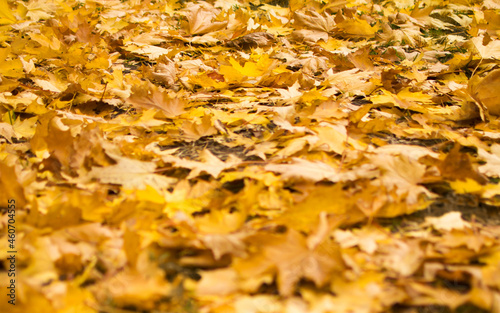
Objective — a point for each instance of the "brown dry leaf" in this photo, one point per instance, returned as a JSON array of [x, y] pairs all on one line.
[[492, 166], [165, 73], [201, 19], [7, 131], [484, 89], [421, 294], [209, 164], [368, 291], [252, 40], [491, 50], [402, 174], [134, 288], [401, 257], [448, 221], [150, 96], [197, 128], [303, 169], [292, 260], [131, 174], [314, 21], [309, 36], [225, 244], [458, 166], [218, 282]]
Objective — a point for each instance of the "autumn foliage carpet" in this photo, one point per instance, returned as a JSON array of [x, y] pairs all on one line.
[[250, 156]]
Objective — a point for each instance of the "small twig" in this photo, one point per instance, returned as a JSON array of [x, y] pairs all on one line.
[[477, 66], [10, 117], [104, 91]]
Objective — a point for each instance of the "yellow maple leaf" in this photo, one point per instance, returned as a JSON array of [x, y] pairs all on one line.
[[6, 16], [10, 66], [467, 186], [312, 96], [405, 99], [292, 258], [357, 27], [253, 69]]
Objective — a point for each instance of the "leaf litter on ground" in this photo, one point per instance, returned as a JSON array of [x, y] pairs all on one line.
[[251, 156]]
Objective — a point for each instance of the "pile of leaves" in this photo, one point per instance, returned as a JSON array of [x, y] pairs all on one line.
[[251, 156]]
